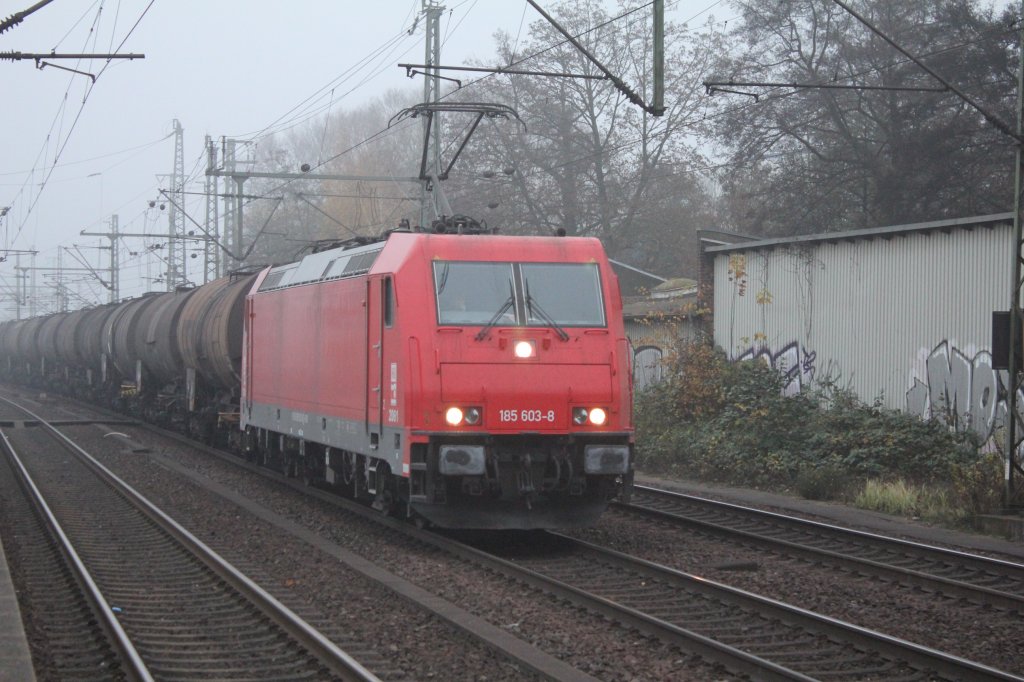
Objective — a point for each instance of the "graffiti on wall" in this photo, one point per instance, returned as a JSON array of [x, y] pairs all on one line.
[[793, 361], [959, 387]]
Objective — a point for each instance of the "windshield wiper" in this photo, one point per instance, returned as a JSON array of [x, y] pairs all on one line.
[[532, 305], [482, 334]]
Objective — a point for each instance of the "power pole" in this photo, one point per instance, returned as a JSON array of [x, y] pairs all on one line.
[[211, 252], [30, 292], [232, 203], [1013, 495], [176, 261], [429, 204], [62, 300], [19, 286], [115, 265], [658, 100]]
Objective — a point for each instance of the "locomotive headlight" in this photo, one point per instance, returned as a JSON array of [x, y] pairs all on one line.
[[457, 415], [524, 349], [596, 416]]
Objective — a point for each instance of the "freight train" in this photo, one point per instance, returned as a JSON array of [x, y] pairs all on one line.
[[468, 380]]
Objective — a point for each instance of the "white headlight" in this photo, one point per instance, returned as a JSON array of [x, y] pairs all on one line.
[[453, 416], [524, 349], [598, 416]]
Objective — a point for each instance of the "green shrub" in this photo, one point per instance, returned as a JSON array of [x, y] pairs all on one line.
[[826, 482], [716, 420]]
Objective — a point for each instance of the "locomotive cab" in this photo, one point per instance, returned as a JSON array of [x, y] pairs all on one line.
[[527, 419]]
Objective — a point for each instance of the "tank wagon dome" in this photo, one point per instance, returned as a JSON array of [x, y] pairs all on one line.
[[210, 330], [160, 349], [122, 339]]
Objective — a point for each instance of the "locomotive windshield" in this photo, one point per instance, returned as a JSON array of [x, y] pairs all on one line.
[[519, 294]]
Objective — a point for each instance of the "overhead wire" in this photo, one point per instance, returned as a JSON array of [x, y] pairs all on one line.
[[43, 152], [74, 123], [304, 109]]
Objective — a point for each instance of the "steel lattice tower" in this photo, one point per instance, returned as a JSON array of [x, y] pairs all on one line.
[[431, 94], [177, 273]]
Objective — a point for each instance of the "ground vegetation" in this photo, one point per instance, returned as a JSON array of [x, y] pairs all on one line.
[[731, 422]]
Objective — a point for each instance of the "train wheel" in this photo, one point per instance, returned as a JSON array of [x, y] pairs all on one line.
[[308, 474], [384, 500], [348, 468]]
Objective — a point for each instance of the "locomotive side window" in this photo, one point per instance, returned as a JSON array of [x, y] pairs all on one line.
[[473, 293], [567, 293], [519, 294], [389, 302]]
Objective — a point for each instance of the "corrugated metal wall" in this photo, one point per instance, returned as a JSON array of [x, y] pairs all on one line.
[[651, 339], [905, 317]]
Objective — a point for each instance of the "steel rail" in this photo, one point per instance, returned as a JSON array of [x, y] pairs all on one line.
[[917, 578], [339, 662], [916, 654], [135, 667]]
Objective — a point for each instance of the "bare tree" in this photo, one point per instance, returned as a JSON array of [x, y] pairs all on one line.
[[294, 215], [588, 161], [814, 160]]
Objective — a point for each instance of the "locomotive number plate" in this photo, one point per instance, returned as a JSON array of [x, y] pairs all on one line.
[[526, 416]]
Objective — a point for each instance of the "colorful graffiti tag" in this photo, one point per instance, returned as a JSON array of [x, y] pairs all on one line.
[[961, 388]]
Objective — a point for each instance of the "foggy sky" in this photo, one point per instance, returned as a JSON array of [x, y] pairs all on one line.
[[229, 68]]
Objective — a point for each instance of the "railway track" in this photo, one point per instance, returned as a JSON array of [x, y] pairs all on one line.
[[978, 579], [518, 652], [747, 634], [166, 607]]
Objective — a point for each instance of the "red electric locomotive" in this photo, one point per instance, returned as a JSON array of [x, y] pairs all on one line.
[[475, 381]]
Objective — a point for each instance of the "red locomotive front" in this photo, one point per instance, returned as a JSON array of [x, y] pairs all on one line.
[[477, 381]]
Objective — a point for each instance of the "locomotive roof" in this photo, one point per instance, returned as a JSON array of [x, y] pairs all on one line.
[[322, 266], [400, 246]]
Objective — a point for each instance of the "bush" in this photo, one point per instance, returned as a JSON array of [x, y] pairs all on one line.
[[728, 422], [827, 482]]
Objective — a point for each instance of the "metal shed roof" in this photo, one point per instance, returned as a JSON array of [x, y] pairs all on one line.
[[987, 221]]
